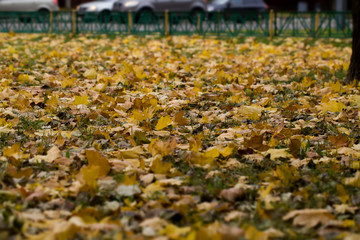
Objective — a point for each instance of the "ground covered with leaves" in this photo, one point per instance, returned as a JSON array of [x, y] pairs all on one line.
[[177, 138]]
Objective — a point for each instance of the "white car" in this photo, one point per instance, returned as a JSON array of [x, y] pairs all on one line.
[[100, 7], [28, 5]]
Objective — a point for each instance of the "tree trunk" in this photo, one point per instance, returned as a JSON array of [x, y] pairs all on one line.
[[354, 68]]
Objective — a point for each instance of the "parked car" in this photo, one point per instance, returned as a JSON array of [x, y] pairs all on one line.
[[239, 11], [146, 6], [28, 5], [237, 6], [101, 8]]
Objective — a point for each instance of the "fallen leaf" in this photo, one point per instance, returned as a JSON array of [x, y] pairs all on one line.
[[232, 194], [309, 218], [163, 123]]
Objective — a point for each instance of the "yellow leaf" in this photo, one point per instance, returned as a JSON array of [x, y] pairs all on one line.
[[353, 181], [95, 159], [23, 78], [342, 194], [132, 153], [212, 153], [286, 174], [15, 154], [81, 100], [52, 103], [21, 103], [90, 174], [336, 87], [162, 147], [90, 73], [154, 187], [163, 123], [10, 151], [332, 106], [69, 82], [252, 233], [274, 233], [60, 141], [226, 151], [307, 82], [251, 112], [265, 191], [278, 153], [354, 101], [130, 180], [195, 142], [160, 167], [174, 232]]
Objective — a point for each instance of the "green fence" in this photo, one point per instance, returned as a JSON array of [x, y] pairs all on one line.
[[266, 24]]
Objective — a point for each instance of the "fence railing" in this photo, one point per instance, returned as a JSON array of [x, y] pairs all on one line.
[[264, 24]]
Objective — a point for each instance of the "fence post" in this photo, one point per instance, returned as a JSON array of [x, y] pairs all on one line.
[[50, 22], [198, 22], [317, 23], [271, 24], [218, 22], [74, 22], [166, 22], [130, 22]]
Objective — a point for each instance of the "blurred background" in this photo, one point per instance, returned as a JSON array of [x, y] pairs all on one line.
[[285, 5]]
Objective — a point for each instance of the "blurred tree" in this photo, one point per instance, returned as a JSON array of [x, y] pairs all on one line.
[[354, 68]]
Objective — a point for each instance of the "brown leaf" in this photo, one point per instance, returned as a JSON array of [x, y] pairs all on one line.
[[52, 154], [232, 194], [256, 142], [339, 141], [309, 218], [295, 146]]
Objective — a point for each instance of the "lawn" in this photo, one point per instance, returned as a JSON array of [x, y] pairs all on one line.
[[127, 137]]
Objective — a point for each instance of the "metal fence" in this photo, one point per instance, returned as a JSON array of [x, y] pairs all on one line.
[[266, 24]]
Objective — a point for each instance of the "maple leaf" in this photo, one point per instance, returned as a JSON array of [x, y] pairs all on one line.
[[79, 100], [163, 123], [339, 141], [354, 100], [256, 142], [162, 147], [96, 159], [331, 106], [278, 153], [15, 154], [52, 154], [309, 218], [180, 120], [90, 174], [90, 73], [286, 174], [307, 82], [196, 142], [252, 233], [132, 153], [23, 172], [60, 141], [174, 232], [251, 112], [227, 151], [160, 167]]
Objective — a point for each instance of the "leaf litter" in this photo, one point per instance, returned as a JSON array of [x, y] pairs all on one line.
[[177, 138]]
